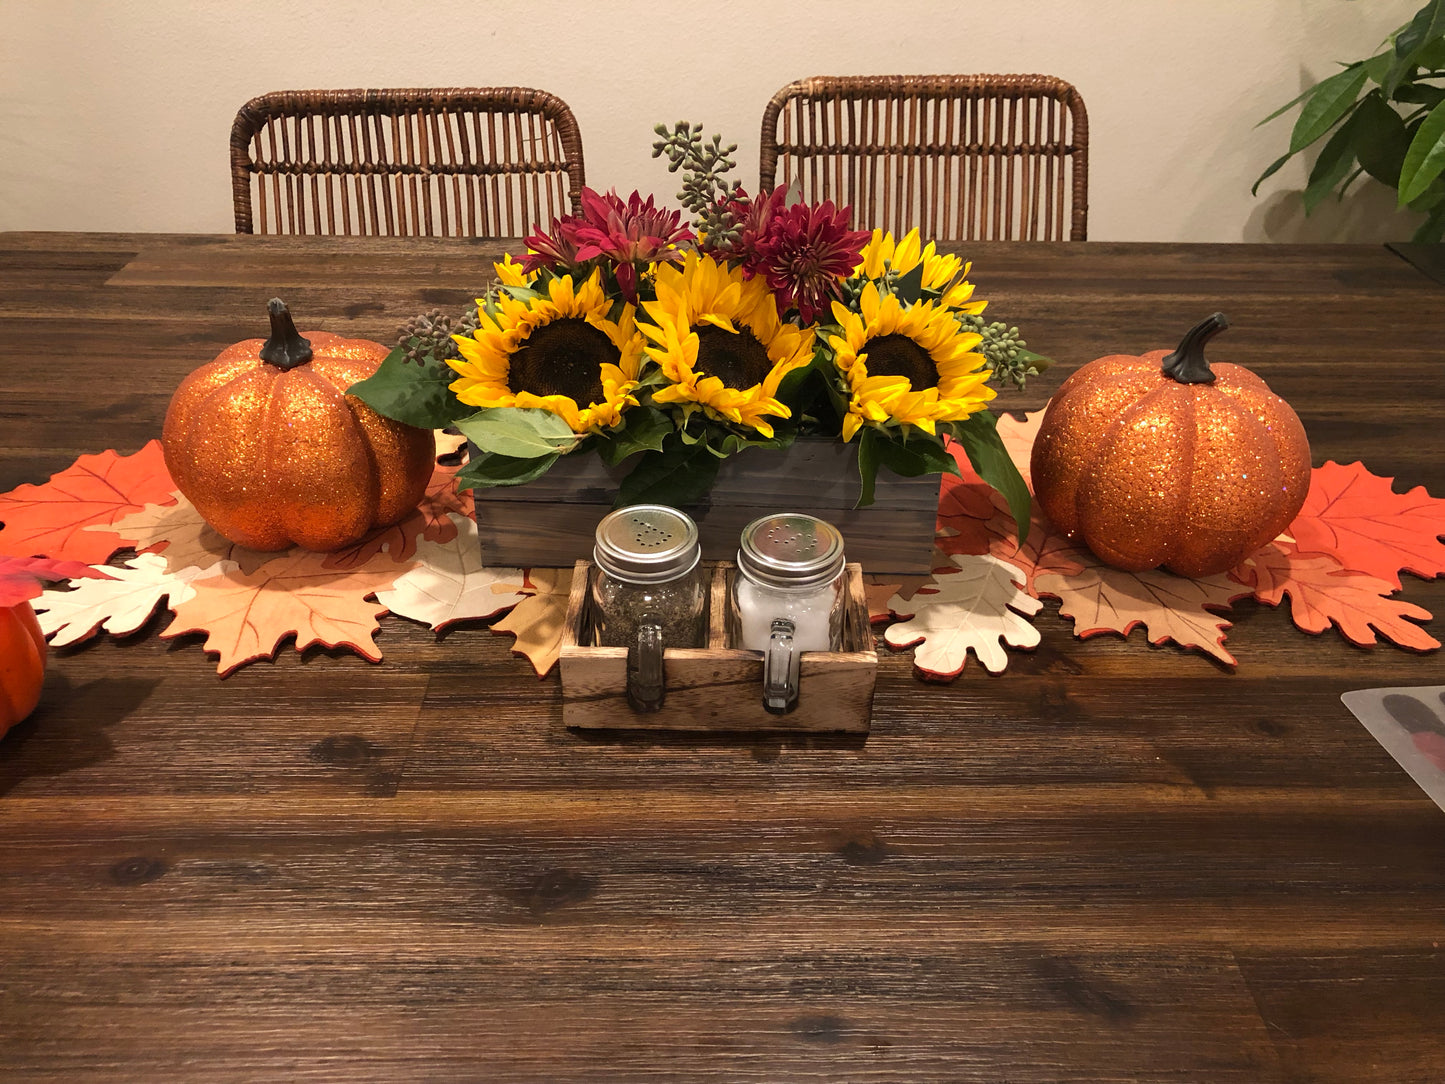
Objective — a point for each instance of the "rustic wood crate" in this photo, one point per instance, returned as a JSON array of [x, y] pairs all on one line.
[[550, 522], [719, 687]]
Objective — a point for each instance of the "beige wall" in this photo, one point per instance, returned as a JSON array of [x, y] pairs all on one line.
[[114, 114]]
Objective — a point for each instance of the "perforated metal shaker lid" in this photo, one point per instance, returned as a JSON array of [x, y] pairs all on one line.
[[791, 550], [646, 543]]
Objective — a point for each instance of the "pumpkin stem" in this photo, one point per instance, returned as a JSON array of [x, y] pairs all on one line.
[[1188, 365], [285, 349]]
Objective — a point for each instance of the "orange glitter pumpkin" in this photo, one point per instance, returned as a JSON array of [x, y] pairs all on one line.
[[1161, 460], [268, 446], [22, 663]]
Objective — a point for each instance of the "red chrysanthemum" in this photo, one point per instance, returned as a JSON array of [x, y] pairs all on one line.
[[628, 233], [751, 217], [557, 250], [804, 251], [636, 230]]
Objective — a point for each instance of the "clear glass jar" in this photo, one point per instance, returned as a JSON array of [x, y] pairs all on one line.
[[788, 597], [648, 593]]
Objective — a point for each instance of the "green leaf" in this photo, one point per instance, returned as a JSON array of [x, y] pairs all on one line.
[[903, 455], [1429, 199], [518, 432], [643, 430], [978, 433], [1425, 159], [1420, 94], [1433, 228], [652, 377], [413, 394], [1271, 171], [486, 470], [520, 293], [1331, 101], [1416, 43], [732, 443], [1332, 165], [1428, 23], [1378, 66], [680, 474], [1038, 361], [909, 287], [1380, 138], [1432, 56], [824, 374], [1301, 96]]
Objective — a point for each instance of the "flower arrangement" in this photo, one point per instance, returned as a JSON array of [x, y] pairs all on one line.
[[626, 332]]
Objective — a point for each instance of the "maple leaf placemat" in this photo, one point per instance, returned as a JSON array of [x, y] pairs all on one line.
[[246, 603], [1338, 566]]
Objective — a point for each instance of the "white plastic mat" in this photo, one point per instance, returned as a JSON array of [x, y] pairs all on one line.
[[1410, 724]]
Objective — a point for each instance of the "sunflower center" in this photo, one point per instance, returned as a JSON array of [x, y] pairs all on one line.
[[898, 355], [739, 361], [564, 357]]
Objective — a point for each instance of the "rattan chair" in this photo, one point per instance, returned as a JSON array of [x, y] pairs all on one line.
[[484, 162], [962, 157]]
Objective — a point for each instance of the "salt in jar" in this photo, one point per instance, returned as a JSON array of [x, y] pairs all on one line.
[[788, 597]]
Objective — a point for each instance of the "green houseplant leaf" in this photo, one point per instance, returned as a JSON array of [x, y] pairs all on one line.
[[1380, 138], [1330, 101], [1425, 160], [1395, 130], [1325, 103], [1333, 164], [1428, 23]]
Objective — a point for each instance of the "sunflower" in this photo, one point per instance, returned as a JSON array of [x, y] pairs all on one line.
[[558, 352], [909, 365], [511, 273], [718, 340], [942, 272]]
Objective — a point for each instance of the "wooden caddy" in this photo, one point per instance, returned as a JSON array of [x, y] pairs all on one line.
[[718, 688]]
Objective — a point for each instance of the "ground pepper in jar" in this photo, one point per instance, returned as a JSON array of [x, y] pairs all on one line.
[[647, 593]]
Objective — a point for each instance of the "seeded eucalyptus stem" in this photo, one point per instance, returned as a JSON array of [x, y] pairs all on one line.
[[705, 192]]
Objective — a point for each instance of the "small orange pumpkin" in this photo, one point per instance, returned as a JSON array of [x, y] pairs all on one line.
[[22, 663], [268, 446], [1163, 460]]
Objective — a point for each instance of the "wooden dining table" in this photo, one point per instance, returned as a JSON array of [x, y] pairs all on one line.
[[1110, 862]]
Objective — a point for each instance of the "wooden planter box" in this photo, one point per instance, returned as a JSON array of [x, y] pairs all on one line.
[[549, 523], [719, 687]]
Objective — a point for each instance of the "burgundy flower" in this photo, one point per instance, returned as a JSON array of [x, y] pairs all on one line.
[[751, 217], [805, 252], [628, 234], [756, 216], [558, 249]]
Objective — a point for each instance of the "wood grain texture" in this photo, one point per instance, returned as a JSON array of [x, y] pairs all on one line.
[[1111, 862], [551, 521]]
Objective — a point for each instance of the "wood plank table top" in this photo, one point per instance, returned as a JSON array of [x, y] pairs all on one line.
[[1111, 862]]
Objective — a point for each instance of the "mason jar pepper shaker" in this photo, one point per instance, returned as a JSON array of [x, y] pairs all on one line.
[[648, 593], [788, 597]]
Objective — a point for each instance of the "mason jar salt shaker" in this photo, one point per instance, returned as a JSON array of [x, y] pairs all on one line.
[[648, 593], [788, 597]]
